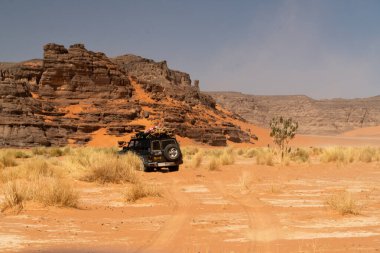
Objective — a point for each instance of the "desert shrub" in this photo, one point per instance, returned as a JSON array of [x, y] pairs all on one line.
[[250, 153], [227, 157], [32, 169], [265, 157], [240, 152], [39, 151], [189, 151], [44, 190], [53, 192], [36, 180], [82, 156], [216, 153], [55, 152], [111, 168], [111, 150], [21, 154], [51, 152], [139, 190], [338, 154], [196, 160], [367, 155], [282, 131], [7, 159], [14, 196], [316, 151], [14, 153], [344, 203], [38, 168], [213, 164], [300, 155]]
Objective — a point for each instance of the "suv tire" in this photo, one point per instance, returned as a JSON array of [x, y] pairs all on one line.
[[171, 152]]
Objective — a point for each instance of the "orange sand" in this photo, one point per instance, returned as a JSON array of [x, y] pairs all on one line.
[[140, 93], [364, 132], [100, 139]]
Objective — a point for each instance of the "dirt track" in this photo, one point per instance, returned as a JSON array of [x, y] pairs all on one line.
[[278, 209]]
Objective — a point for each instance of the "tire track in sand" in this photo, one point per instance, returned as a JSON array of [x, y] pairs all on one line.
[[263, 227], [167, 237]]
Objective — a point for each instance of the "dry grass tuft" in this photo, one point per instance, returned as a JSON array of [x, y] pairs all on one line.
[[20, 154], [38, 168], [38, 181], [240, 151], [300, 155], [265, 157], [216, 153], [367, 154], [227, 157], [51, 152], [8, 159], [344, 203], [196, 160], [139, 191], [189, 151], [53, 192], [315, 151], [213, 164], [112, 168], [250, 153], [14, 196], [30, 170], [338, 154]]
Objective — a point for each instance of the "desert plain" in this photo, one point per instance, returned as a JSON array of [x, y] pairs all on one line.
[[323, 197]]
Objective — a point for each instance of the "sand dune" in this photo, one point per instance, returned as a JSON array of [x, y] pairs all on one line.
[[364, 132]]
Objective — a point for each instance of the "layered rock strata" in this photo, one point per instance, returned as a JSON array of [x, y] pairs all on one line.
[[72, 93], [319, 117]]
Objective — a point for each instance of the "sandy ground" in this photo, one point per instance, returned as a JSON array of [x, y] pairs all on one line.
[[240, 208], [373, 132]]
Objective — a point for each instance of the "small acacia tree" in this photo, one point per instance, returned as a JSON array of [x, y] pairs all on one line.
[[282, 131]]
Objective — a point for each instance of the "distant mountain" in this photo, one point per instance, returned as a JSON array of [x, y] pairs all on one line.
[[320, 117]]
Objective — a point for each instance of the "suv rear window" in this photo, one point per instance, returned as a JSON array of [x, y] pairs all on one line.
[[167, 142], [139, 144], [156, 145]]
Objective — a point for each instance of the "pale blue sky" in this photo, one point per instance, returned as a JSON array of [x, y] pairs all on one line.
[[324, 48]]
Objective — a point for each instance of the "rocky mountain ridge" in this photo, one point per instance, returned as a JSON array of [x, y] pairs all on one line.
[[316, 117], [72, 93]]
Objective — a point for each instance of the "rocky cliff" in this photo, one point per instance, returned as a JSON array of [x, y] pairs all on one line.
[[320, 117], [72, 93]]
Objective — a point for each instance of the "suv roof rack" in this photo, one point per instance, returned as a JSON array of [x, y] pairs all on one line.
[[155, 132]]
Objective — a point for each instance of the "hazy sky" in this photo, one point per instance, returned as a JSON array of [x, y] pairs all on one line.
[[321, 48]]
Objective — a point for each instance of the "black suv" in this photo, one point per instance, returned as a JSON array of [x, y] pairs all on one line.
[[155, 151]]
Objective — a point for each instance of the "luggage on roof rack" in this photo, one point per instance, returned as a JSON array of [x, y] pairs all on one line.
[[155, 132]]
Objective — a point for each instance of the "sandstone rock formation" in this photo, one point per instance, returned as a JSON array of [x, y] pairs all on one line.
[[71, 93], [156, 77], [320, 117]]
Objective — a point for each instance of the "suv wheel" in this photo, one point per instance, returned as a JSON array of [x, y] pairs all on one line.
[[174, 168], [171, 152]]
